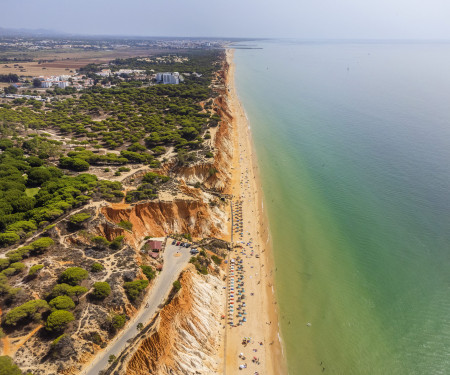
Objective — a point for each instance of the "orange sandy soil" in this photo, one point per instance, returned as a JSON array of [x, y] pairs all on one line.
[[262, 316]]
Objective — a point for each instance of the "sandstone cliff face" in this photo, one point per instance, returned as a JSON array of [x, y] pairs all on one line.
[[187, 337], [159, 218]]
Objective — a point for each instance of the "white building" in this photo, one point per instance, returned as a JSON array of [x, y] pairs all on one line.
[[104, 73], [63, 84], [46, 84], [168, 78], [124, 71]]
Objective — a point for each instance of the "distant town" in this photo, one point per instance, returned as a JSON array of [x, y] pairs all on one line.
[[35, 44], [42, 68]]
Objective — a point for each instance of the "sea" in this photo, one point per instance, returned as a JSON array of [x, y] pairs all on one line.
[[353, 147]]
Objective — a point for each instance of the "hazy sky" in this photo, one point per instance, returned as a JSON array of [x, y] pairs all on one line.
[[374, 19]]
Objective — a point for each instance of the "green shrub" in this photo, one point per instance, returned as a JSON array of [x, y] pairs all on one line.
[[55, 341], [14, 256], [97, 267], [38, 175], [8, 238], [155, 178], [134, 288], [79, 218], [100, 241], [202, 269], [12, 293], [148, 272], [4, 285], [9, 271], [4, 263], [118, 321], [101, 290], [62, 303], [42, 243], [19, 253], [48, 227], [216, 260], [58, 320], [67, 290], [22, 227], [17, 266], [73, 275], [75, 164], [177, 285], [26, 310], [8, 367], [116, 243], [34, 269], [125, 225]]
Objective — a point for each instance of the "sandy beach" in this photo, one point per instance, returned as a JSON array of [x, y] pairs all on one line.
[[252, 339]]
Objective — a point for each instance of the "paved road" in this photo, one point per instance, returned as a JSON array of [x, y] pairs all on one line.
[[175, 259]]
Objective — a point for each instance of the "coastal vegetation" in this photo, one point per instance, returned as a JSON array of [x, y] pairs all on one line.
[[8, 367], [65, 265]]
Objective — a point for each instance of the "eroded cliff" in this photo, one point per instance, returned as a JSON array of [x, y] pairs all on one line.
[[187, 335]]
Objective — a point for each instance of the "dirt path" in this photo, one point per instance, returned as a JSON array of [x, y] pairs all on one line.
[[10, 346]]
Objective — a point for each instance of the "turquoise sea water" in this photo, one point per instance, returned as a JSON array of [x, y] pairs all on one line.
[[353, 145]]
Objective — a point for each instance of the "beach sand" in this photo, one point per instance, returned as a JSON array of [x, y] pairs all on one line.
[[260, 302]]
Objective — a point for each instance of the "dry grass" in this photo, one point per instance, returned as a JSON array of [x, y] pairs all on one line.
[[33, 69]]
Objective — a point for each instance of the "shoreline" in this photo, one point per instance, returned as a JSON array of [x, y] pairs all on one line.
[[264, 308]]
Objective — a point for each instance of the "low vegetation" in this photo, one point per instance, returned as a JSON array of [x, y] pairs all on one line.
[[58, 320], [101, 290], [62, 303], [133, 289], [54, 161], [8, 367], [73, 275], [148, 271], [176, 285], [31, 309]]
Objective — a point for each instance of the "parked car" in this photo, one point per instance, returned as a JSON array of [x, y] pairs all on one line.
[[174, 242]]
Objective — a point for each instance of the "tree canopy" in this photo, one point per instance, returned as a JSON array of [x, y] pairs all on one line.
[[58, 320], [73, 275]]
